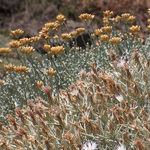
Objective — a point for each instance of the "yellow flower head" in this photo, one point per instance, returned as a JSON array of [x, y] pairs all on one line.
[[73, 34], [117, 19], [106, 21], [47, 48], [39, 84], [115, 40], [86, 17], [24, 41], [27, 49], [108, 13], [17, 32], [34, 39], [52, 25], [5, 50], [61, 18], [125, 16], [106, 29], [104, 38], [21, 69], [51, 72], [80, 30], [9, 67], [44, 33], [131, 19], [66, 36], [14, 44], [134, 29], [98, 32], [56, 50]]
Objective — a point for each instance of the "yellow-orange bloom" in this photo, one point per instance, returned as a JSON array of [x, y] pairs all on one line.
[[9, 67], [131, 19], [98, 32], [134, 29], [104, 38], [56, 50], [86, 17], [108, 13], [51, 72], [21, 69], [61, 18], [27, 49], [47, 48], [5, 50], [24, 41], [66, 36], [115, 40], [14, 44], [73, 34], [17, 32], [125, 16], [39, 84], [52, 25], [106, 29], [80, 30]]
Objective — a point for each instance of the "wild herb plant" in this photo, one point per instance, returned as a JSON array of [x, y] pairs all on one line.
[[62, 61], [107, 107]]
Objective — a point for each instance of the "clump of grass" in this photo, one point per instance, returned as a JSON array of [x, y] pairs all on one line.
[[63, 59], [106, 106]]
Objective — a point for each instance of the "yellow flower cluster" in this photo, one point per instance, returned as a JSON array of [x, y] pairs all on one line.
[[108, 14], [56, 50], [27, 49], [44, 33], [66, 36], [47, 48], [104, 38], [73, 34], [60, 18], [106, 17], [39, 84], [106, 29], [21, 69], [86, 17], [17, 69], [128, 17], [98, 32], [103, 30], [53, 50], [9, 67], [52, 25], [17, 32], [14, 44], [5, 50], [115, 40], [51, 72], [80, 31], [134, 29]]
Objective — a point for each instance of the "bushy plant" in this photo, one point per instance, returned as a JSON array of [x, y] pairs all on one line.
[[63, 61], [107, 107]]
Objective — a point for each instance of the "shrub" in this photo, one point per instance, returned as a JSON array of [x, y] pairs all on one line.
[[105, 106], [59, 67]]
